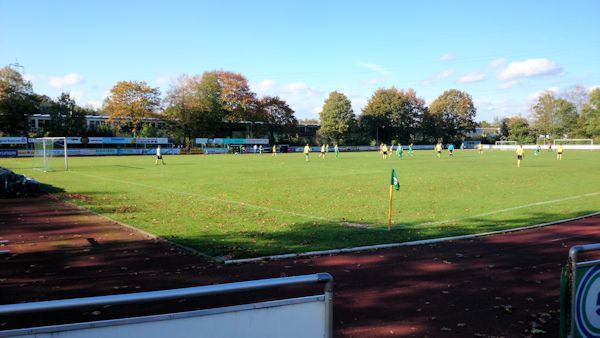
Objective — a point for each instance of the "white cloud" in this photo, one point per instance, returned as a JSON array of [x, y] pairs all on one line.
[[447, 57], [529, 68], [496, 63], [534, 96], [60, 82], [472, 77], [437, 77], [509, 84], [375, 67], [94, 103], [264, 87], [299, 89], [305, 100], [76, 95]]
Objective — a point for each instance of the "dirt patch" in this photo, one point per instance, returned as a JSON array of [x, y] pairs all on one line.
[[498, 286]]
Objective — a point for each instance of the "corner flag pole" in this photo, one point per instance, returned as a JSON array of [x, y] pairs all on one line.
[[390, 210], [394, 184]]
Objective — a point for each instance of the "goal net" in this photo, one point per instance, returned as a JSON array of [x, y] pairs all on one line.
[[505, 145], [576, 143], [50, 154]]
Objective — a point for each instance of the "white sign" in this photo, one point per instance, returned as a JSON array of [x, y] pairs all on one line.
[[13, 140]]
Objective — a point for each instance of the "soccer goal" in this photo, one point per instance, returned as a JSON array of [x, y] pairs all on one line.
[[50, 154], [576, 143], [505, 145]]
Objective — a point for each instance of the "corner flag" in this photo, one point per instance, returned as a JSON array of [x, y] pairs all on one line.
[[394, 184], [394, 180]]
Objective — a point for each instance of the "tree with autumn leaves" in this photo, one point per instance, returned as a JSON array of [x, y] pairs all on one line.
[[205, 106], [129, 103]]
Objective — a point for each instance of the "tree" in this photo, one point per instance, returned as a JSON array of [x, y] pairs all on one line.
[[337, 117], [518, 130], [453, 114], [236, 97], [554, 116], [183, 105], [566, 118], [543, 113], [130, 102], [277, 115], [504, 129], [578, 96], [66, 118], [210, 103], [16, 102], [394, 114], [590, 115]]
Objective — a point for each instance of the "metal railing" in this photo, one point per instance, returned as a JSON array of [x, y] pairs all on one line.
[[152, 296]]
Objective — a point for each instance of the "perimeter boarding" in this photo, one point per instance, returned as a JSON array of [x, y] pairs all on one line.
[[580, 294], [309, 316]]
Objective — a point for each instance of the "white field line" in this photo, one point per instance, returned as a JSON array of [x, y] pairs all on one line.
[[395, 245], [209, 198], [510, 209]]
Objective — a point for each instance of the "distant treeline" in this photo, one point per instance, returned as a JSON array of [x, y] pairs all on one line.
[[216, 103]]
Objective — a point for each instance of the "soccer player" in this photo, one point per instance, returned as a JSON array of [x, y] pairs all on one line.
[[306, 151], [159, 156], [438, 149], [399, 151], [274, 151], [336, 150], [254, 147], [559, 152], [480, 148], [537, 150], [520, 153], [260, 149], [327, 148], [410, 150], [451, 150], [462, 146], [322, 154], [384, 149]]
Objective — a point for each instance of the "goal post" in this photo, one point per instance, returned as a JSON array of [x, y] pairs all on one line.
[[578, 143], [505, 145], [50, 154]]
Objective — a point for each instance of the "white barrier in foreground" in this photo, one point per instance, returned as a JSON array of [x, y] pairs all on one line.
[[309, 316]]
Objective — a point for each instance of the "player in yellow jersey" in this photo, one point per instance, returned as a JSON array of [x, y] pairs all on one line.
[[306, 151], [438, 150], [520, 154], [559, 152], [384, 150], [480, 148], [274, 151]]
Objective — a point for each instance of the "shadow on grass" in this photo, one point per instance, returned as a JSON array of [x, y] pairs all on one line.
[[312, 236]]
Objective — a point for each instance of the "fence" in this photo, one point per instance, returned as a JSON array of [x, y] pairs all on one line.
[[309, 316]]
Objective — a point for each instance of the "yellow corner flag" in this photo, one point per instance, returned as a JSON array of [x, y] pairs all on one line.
[[394, 184]]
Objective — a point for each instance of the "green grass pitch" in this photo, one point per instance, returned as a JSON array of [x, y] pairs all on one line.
[[238, 206]]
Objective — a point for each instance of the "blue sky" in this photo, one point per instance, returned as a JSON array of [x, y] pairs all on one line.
[[503, 53]]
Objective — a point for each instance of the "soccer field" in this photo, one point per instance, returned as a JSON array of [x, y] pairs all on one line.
[[237, 206]]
